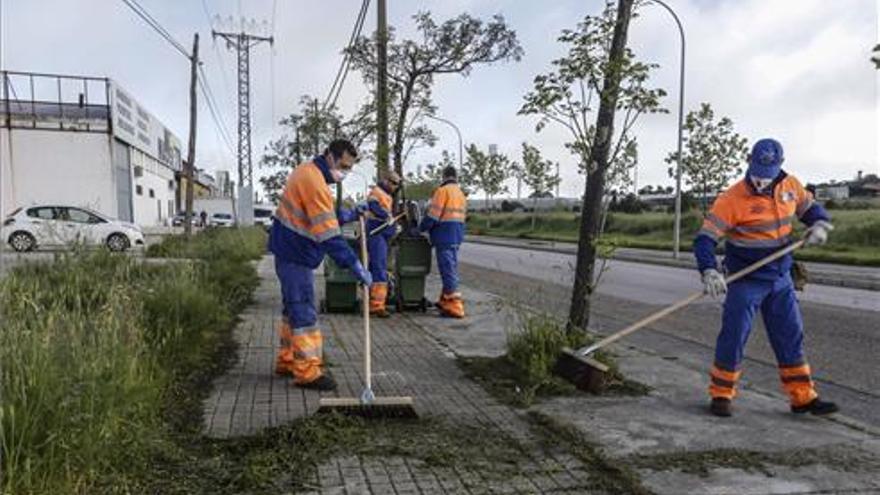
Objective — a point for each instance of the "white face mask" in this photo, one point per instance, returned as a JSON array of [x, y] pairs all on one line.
[[761, 184], [339, 175]]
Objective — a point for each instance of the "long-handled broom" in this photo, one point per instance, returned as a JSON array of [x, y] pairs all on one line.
[[368, 405], [589, 374]]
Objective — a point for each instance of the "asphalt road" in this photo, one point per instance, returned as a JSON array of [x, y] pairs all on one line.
[[842, 325]]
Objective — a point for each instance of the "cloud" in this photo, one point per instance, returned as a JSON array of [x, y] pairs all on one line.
[[798, 70]]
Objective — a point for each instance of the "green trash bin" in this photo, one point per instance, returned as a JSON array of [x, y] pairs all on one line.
[[413, 264], [340, 286]]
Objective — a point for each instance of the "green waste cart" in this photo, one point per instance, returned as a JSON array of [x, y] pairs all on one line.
[[340, 286], [412, 266]]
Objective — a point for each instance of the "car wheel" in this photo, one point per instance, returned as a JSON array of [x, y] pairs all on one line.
[[22, 242], [117, 243]]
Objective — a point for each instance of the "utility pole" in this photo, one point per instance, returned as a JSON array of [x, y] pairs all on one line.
[[191, 152], [382, 90], [242, 43]]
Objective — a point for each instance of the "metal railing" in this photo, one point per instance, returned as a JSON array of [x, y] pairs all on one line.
[[34, 100]]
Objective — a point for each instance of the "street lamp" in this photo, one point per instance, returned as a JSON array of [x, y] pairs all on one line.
[[677, 228], [460, 143]]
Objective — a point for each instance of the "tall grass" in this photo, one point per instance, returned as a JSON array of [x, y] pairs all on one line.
[[91, 346]]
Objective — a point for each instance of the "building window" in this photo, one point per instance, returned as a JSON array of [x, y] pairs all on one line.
[[139, 190], [152, 193]]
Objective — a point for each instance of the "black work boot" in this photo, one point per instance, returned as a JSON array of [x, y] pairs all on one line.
[[323, 383], [720, 407], [817, 406]]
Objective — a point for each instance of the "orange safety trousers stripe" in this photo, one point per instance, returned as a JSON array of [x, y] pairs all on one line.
[[300, 353], [378, 294], [798, 384]]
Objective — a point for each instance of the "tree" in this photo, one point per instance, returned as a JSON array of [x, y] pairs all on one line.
[[539, 175], [590, 57], [453, 47], [487, 172], [566, 95], [306, 134], [713, 153]]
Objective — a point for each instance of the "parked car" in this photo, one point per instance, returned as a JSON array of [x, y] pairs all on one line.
[[263, 217], [38, 226], [221, 220], [178, 219]]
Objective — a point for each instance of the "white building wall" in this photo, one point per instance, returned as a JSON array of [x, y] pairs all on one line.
[[43, 166], [153, 189]]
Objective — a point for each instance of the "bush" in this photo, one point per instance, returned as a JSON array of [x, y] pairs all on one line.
[[533, 352]]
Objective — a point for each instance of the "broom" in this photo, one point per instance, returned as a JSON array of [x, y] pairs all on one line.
[[368, 405], [588, 374]]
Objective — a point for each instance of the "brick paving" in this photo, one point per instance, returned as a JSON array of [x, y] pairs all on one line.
[[409, 358]]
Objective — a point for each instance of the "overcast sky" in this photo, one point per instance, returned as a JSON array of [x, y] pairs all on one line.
[[797, 70]]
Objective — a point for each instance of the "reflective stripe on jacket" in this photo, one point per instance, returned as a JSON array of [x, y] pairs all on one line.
[[755, 225], [379, 210], [305, 226], [445, 218]]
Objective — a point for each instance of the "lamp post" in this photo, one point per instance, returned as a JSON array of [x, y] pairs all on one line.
[[677, 228], [460, 142]]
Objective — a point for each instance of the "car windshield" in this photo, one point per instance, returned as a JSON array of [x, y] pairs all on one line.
[[224, 216], [262, 213]]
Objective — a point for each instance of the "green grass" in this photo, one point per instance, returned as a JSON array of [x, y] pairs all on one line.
[[855, 239], [102, 356]]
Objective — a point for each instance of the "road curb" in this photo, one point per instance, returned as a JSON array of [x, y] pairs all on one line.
[[816, 276]]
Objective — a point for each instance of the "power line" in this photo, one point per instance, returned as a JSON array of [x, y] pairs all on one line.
[[153, 23], [342, 73], [212, 108]]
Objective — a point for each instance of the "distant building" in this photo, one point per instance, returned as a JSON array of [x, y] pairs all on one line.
[[84, 141], [824, 192]]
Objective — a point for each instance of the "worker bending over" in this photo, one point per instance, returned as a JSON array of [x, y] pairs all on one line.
[[306, 228], [445, 222], [379, 213], [756, 216]]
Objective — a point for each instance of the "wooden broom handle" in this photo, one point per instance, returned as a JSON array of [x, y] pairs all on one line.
[[689, 299], [368, 380]]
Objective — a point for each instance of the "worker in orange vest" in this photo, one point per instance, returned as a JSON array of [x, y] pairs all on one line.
[[379, 213], [756, 216], [445, 221], [305, 228]]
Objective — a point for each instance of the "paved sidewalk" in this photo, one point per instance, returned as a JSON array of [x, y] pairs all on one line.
[[665, 436], [406, 361]]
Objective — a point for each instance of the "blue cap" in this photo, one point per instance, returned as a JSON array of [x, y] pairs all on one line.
[[765, 161]]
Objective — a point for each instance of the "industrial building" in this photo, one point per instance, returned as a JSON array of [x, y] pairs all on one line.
[[85, 141]]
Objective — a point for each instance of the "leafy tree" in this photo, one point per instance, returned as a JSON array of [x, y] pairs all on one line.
[[452, 47], [713, 152], [487, 172], [306, 134], [538, 174], [566, 95], [598, 65]]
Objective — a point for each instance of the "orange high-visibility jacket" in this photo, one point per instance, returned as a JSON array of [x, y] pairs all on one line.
[[305, 226], [445, 218], [755, 225]]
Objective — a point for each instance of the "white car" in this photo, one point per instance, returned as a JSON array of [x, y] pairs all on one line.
[[39, 226], [221, 220], [263, 217]]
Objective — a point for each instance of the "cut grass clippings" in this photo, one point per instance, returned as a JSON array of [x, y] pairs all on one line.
[[843, 457]]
